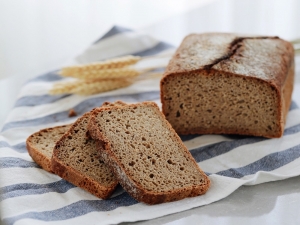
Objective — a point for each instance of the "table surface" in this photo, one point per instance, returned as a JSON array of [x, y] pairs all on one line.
[[36, 37]]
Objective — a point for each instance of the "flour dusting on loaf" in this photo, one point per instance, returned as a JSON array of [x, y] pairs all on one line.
[[225, 83]]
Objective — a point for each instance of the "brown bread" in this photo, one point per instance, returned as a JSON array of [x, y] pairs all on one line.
[[145, 153], [222, 83], [76, 159], [40, 145]]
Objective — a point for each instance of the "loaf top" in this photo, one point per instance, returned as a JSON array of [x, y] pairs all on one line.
[[266, 58]]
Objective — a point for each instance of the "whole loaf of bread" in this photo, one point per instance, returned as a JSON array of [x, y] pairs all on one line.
[[228, 84]]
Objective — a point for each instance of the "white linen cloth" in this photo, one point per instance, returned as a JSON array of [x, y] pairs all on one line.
[[30, 195]]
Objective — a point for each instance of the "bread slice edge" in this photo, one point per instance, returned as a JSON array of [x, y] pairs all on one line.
[[70, 174], [135, 190], [36, 155]]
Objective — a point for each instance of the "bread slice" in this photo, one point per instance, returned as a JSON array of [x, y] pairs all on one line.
[[145, 154], [225, 83], [40, 145], [76, 159]]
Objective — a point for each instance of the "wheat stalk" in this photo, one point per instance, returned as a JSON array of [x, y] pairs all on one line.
[[113, 73], [110, 66], [64, 87], [104, 65], [84, 87], [103, 76]]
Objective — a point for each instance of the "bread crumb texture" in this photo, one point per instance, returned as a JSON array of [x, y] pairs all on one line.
[[45, 140], [219, 101], [78, 151], [148, 150], [40, 145]]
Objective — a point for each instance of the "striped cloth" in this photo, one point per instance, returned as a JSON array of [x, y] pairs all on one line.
[[30, 195]]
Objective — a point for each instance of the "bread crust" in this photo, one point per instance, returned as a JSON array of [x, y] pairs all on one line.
[[79, 179], [226, 59], [41, 159], [287, 90], [134, 189]]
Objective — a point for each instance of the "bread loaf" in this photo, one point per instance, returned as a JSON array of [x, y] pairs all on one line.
[[40, 145], [145, 154], [224, 83]]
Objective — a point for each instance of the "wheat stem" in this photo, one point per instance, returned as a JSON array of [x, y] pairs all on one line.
[[83, 87], [107, 64], [125, 72]]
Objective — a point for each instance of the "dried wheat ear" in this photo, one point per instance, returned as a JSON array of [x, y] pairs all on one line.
[[86, 87], [102, 76]]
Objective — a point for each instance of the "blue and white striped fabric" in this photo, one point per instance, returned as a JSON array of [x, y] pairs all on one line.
[[30, 195]]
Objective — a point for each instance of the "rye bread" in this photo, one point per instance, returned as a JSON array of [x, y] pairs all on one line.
[[220, 83], [145, 153], [40, 145], [76, 159]]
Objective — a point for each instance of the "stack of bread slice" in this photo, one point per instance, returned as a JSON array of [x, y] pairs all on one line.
[[130, 144]]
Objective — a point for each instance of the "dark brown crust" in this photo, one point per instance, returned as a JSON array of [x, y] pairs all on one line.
[[35, 154], [135, 190], [73, 176], [231, 53], [287, 91], [233, 48], [283, 83]]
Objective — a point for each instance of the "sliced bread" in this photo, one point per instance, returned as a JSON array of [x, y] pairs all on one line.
[[40, 145], [76, 159], [145, 153]]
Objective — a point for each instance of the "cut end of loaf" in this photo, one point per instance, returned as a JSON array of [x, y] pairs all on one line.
[[215, 102], [147, 156]]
